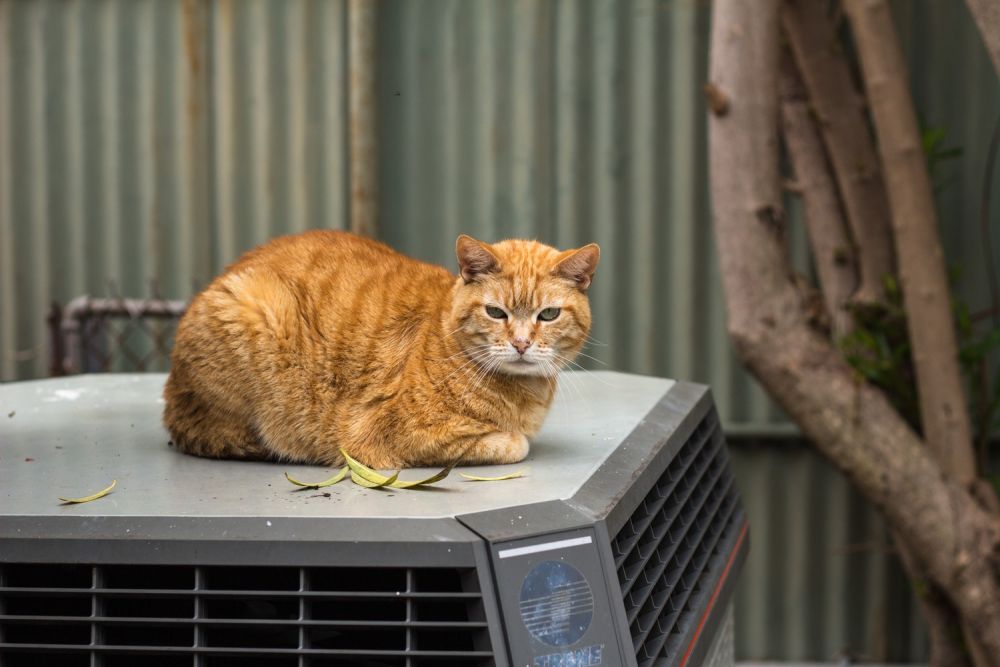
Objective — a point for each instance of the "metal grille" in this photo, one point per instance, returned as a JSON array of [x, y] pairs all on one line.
[[115, 334], [214, 616], [668, 549]]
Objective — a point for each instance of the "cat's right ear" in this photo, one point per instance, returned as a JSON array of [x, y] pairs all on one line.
[[474, 258]]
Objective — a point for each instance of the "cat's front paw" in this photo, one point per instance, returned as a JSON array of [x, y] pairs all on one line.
[[500, 447]]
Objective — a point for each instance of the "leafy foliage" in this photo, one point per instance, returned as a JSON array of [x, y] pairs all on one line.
[[937, 154], [879, 350], [879, 347], [976, 348]]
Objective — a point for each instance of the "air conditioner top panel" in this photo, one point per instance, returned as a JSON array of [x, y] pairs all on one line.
[[71, 436]]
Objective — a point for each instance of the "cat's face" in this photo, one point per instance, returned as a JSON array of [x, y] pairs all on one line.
[[522, 308]]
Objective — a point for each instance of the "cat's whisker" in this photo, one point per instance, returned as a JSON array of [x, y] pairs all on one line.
[[553, 371], [471, 384], [467, 351], [473, 361], [572, 382], [488, 369], [586, 370], [567, 360], [600, 361], [466, 365]]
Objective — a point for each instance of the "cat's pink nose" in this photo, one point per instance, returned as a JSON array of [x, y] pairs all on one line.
[[521, 345]]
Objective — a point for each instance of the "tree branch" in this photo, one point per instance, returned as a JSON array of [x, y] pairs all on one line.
[[838, 110], [943, 410], [849, 421], [944, 625], [824, 218], [987, 16]]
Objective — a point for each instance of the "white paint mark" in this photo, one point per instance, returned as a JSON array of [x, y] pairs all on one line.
[[63, 395], [545, 546]]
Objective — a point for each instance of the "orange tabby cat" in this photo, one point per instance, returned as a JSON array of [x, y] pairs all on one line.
[[325, 340]]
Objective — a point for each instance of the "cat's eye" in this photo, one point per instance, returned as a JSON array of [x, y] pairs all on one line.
[[549, 314], [496, 313]]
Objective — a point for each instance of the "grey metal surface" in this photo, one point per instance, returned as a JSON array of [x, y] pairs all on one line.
[[72, 436], [620, 481]]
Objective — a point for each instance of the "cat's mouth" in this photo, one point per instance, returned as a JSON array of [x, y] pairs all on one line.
[[524, 366]]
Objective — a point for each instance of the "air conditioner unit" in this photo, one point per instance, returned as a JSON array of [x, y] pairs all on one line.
[[619, 546]]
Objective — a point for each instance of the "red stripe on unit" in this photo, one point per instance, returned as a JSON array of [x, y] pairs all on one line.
[[715, 595]]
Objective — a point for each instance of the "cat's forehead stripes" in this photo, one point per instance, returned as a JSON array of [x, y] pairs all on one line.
[[527, 268]]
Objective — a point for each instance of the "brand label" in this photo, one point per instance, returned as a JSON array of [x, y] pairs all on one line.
[[588, 656]]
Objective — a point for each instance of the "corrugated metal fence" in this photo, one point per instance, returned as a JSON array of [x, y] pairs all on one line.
[[146, 141]]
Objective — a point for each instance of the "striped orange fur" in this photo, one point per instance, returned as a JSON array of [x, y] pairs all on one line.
[[324, 340]]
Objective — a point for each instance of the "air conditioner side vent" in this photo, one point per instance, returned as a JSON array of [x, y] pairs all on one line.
[[668, 550]]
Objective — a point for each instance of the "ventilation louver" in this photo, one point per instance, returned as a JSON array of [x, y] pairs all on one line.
[[667, 550], [241, 615]]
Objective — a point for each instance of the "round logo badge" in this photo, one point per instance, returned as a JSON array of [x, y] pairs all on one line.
[[557, 604]]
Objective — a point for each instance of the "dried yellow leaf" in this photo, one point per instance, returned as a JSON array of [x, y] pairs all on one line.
[[364, 472], [318, 485], [95, 496], [369, 484], [477, 478], [436, 477]]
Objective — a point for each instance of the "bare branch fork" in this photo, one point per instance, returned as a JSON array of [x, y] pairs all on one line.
[[828, 240], [949, 537], [837, 106]]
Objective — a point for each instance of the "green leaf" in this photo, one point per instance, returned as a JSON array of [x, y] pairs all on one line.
[[318, 485], [931, 137], [366, 473], [95, 496], [963, 319], [948, 154], [371, 484], [436, 477], [975, 351], [891, 286], [477, 478]]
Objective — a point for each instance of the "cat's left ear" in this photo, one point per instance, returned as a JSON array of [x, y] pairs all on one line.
[[579, 265], [474, 258]]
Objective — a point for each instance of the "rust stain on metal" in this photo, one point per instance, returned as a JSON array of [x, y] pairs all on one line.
[[193, 31], [363, 137], [192, 35]]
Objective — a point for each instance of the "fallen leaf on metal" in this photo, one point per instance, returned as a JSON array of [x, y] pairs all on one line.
[[370, 484], [361, 471], [318, 485], [477, 478], [436, 477], [87, 499]]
